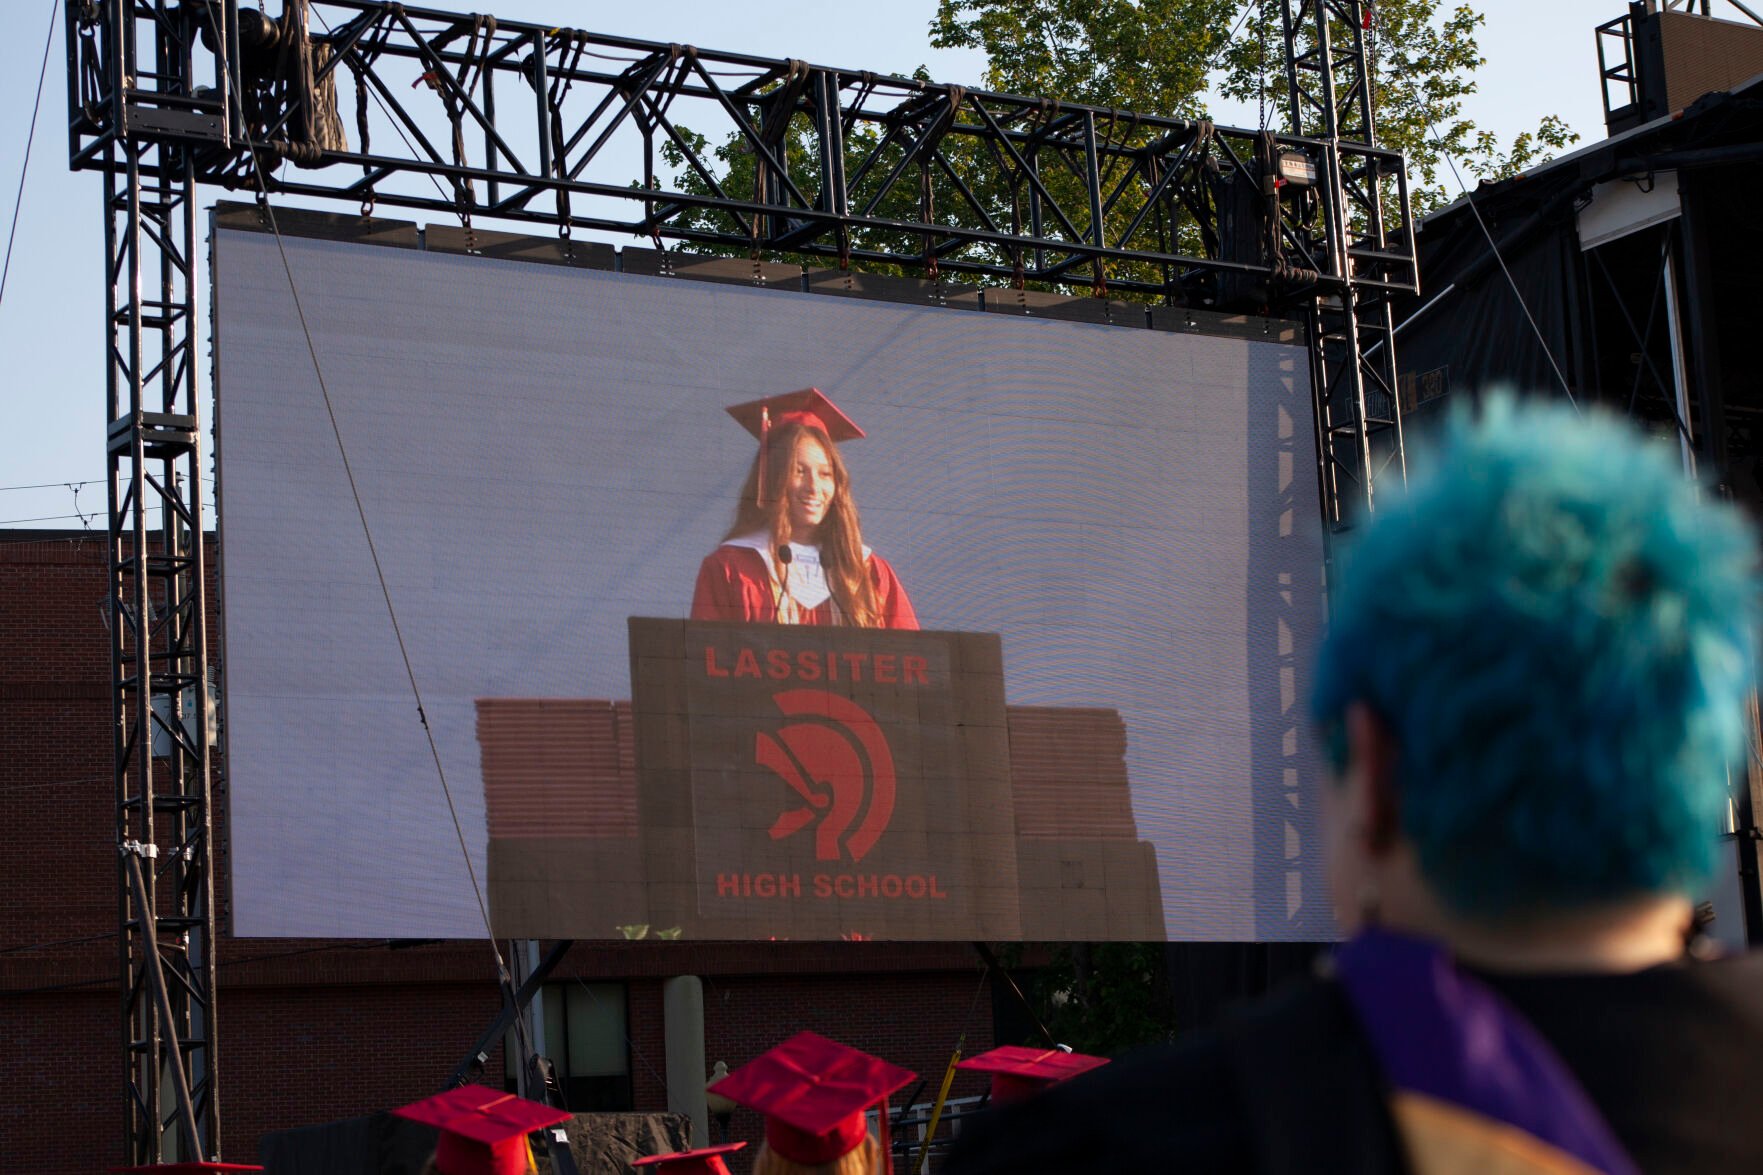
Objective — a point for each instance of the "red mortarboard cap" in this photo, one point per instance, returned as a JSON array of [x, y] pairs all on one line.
[[807, 406], [703, 1161], [1018, 1072], [483, 1130], [814, 1093]]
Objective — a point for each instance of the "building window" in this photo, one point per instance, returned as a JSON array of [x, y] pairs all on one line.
[[587, 1037]]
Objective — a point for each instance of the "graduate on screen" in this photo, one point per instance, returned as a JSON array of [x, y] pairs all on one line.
[[795, 553]]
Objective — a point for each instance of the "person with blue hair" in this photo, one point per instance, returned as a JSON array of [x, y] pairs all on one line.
[[1533, 693]]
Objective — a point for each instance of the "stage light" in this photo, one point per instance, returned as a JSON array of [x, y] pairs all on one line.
[[1297, 168]]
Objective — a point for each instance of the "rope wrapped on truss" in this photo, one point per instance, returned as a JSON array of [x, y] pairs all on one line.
[[305, 69], [291, 83]]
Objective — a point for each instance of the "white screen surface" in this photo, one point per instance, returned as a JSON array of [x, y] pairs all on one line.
[[542, 453]]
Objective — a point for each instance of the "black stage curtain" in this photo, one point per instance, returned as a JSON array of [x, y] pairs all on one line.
[[1468, 331]]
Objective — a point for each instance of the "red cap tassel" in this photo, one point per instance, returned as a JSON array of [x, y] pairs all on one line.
[[764, 443], [887, 1148]]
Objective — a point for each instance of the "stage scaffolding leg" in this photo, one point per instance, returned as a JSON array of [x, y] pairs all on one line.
[[157, 613], [1329, 76]]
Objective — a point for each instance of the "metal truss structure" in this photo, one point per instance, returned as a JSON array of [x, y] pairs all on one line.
[[1352, 326], [528, 124], [157, 595]]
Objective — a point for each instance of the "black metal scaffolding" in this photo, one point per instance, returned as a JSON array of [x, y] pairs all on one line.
[[463, 115], [1352, 326], [157, 596]]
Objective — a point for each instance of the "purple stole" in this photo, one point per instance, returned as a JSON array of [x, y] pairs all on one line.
[[1473, 1087]]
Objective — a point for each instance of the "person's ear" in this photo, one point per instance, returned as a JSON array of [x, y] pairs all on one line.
[[1371, 765]]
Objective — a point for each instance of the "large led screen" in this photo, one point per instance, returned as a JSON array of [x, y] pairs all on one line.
[[1000, 633]]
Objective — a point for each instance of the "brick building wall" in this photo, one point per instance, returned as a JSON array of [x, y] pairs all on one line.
[[309, 1031]]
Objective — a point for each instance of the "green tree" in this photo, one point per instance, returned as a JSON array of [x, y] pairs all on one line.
[[1528, 149], [1102, 998], [1145, 57], [1151, 57], [733, 167], [1423, 65], [1154, 57]]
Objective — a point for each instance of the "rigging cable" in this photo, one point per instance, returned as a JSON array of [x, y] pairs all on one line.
[[1493, 246], [361, 513], [30, 137], [54, 485], [384, 109], [86, 518]]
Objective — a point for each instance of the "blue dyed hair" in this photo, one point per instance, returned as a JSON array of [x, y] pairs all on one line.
[[1556, 627]]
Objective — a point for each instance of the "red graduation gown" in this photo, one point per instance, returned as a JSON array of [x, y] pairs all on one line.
[[735, 584]]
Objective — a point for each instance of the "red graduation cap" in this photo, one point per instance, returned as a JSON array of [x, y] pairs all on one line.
[[1019, 1072], [483, 1130], [814, 1093], [808, 406], [703, 1161]]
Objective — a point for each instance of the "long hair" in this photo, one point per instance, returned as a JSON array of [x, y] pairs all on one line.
[[865, 1160], [766, 509]]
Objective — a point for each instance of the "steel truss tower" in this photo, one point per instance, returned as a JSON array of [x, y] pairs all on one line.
[[157, 596], [1329, 89], [511, 122]]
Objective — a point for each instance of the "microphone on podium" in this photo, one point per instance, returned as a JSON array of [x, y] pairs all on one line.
[[785, 557]]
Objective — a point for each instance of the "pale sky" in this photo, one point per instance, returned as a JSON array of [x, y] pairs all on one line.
[[1541, 59]]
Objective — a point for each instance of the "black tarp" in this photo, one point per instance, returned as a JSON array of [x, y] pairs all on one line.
[[1467, 330], [376, 1144]]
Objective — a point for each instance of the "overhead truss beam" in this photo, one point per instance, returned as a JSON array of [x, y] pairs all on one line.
[[476, 117]]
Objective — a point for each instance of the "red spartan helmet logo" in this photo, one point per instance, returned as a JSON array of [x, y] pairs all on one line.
[[838, 762]]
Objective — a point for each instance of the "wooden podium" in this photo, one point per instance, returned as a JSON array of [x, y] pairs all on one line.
[[804, 782], [789, 782]]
